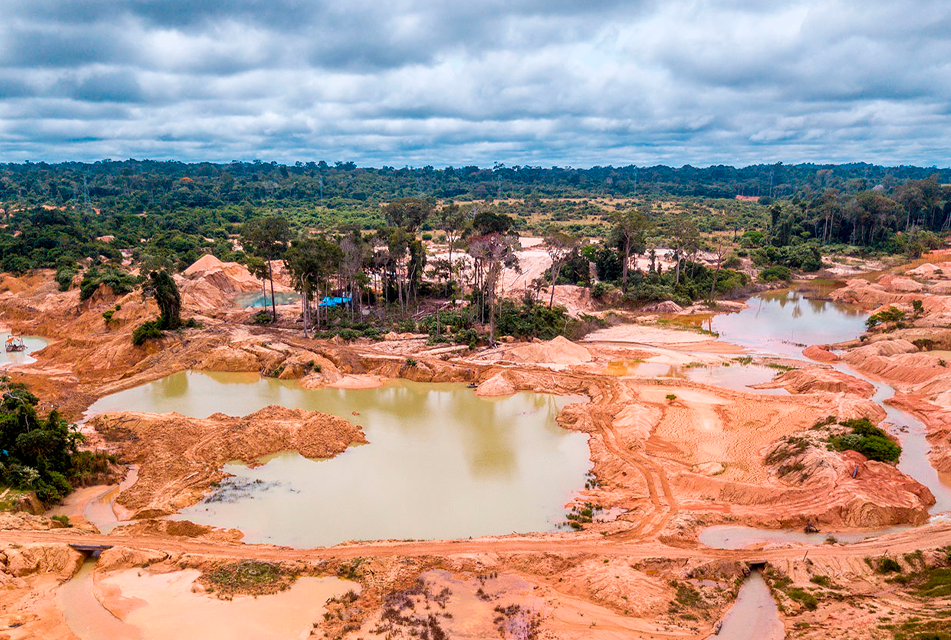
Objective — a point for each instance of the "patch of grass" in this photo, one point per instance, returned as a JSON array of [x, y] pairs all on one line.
[[252, 577], [803, 597], [884, 565], [149, 330], [351, 570], [823, 581], [789, 447], [63, 520], [937, 583], [685, 597]]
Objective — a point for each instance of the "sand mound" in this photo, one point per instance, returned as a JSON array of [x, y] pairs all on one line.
[[495, 386], [185, 455], [864, 292], [817, 353], [205, 263], [899, 284], [41, 558], [560, 350], [816, 379], [667, 306], [931, 271], [210, 283], [880, 348], [636, 420], [903, 369]]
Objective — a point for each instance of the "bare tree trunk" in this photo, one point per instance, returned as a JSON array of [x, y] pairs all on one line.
[[626, 258], [449, 290], [270, 273]]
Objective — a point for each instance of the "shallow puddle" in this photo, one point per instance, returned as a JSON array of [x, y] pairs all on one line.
[[164, 607], [736, 537], [754, 615], [785, 321], [13, 358], [732, 375], [258, 299], [735, 376], [441, 463]]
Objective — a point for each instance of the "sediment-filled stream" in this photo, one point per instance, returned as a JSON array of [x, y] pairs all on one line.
[[783, 322], [754, 615]]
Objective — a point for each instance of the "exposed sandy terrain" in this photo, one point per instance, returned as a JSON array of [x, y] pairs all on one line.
[[184, 456], [672, 455]]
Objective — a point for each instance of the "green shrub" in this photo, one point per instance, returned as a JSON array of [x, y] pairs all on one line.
[[119, 281], [63, 520], [891, 314], [775, 273], [146, 331], [803, 597], [732, 261], [867, 439], [64, 277], [888, 565], [262, 317]]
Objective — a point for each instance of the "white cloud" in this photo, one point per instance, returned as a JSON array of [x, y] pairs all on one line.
[[426, 82]]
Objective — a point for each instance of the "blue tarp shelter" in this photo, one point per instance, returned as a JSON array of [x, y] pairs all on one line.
[[333, 302]]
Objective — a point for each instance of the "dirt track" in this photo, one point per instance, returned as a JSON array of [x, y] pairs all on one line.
[[931, 536]]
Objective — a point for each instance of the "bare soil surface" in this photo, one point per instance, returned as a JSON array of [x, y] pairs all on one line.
[[672, 456]]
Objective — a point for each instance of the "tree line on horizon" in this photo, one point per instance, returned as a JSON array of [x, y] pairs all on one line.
[[137, 186]]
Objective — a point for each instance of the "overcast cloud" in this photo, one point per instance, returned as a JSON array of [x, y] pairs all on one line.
[[434, 82]]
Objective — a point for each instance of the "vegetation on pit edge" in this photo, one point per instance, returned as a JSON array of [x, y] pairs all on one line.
[[41, 453]]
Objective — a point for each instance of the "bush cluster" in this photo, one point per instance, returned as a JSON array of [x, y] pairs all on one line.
[[119, 281], [41, 454], [867, 439]]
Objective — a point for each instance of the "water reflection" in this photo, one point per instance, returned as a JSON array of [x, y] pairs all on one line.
[[785, 321], [442, 463]]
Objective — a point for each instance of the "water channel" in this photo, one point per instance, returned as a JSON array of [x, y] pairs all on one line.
[[754, 615], [441, 463], [783, 322]]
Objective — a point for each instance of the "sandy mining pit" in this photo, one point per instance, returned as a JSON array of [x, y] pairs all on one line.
[[670, 456]]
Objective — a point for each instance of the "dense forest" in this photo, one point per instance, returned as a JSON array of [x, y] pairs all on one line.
[[134, 186], [363, 231]]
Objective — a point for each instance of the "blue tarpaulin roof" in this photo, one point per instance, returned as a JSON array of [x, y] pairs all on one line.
[[333, 302]]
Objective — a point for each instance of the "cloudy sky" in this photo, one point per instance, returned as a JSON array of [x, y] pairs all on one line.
[[415, 82]]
